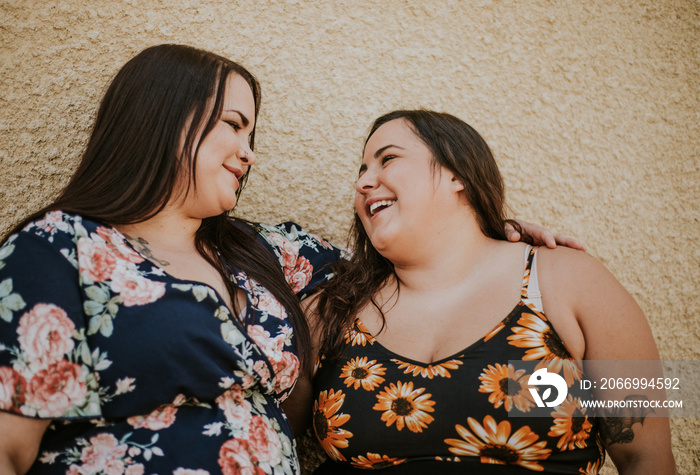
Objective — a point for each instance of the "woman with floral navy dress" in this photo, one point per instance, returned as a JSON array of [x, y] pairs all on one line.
[[431, 333], [142, 330]]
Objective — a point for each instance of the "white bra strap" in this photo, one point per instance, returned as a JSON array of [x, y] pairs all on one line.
[[532, 291]]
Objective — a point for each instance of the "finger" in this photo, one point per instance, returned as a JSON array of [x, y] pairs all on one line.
[[549, 240], [567, 241]]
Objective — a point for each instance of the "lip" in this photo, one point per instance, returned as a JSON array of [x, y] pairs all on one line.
[[369, 202], [237, 172]]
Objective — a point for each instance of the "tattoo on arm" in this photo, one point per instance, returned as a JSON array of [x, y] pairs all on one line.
[[141, 245], [616, 425]]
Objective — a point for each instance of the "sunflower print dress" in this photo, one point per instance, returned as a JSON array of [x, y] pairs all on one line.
[[376, 410], [140, 372]]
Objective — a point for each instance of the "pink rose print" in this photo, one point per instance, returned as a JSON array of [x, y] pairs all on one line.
[[321, 241], [289, 249], [299, 275], [12, 389], [45, 335], [236, 408], [161, 418], [286, 371], [116, 242], [134, 289], [263, 339], [264, 440], [187, 471], [103, 455], [136, 469], [262, 371], [235, 459], [54, 390], [247, 381], [96, 261], [53, 220], [258, 333], [268, 303]]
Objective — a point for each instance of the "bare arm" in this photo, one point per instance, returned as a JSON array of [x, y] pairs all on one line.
[[298, 405], [586, 295], [19, 442]]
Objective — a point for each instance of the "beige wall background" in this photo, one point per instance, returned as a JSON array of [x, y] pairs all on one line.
[[592, 109]]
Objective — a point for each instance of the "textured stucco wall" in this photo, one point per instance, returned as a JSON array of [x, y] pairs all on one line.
[[592, 109]]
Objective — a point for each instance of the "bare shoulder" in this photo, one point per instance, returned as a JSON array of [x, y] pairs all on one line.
[[612, 323], [579, 277], [561, 273], [576, 275], [309, 303], [564, 260], [310, 307]]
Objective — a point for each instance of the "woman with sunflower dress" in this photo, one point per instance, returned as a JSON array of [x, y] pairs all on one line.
[[421, 334]]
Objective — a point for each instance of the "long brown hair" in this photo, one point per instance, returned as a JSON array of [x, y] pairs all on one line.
[[460, 149], [134, 157]]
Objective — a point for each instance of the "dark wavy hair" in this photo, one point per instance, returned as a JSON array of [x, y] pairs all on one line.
[[455, 146], [135, 155]]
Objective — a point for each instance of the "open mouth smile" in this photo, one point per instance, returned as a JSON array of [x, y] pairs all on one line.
[[378, 206]]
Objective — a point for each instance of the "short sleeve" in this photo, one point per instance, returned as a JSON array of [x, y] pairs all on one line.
[[45, 363], [305, 258]]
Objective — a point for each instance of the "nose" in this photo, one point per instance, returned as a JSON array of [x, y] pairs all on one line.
[[247, 156], [366, 182]]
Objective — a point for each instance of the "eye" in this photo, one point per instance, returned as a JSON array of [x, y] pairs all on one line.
[[386, 158], [234, 125]]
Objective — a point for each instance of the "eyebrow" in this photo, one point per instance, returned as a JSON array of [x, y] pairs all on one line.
[[363, 167], [244, 119], [381, 150]]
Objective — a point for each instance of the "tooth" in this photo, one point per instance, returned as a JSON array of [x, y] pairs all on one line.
[[378, 204]]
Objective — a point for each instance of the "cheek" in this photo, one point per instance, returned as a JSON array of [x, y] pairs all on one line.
[[359, 204]]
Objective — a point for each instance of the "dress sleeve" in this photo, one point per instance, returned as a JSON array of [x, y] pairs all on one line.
[[45, 363], [304, 257]]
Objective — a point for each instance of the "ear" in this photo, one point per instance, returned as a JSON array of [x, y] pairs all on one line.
[[456, 184]]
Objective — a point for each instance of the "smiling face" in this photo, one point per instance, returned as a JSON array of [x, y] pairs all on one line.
[[224, 154], [400, 193]]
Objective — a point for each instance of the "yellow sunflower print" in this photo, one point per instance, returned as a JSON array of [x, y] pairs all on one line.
[[327, 422], [591, 468], [544, 345], [526, 280], [405, 406], [357, 334], [429, 371], [495, 331], [494, 444], [572, 424], [495, 380], [375, 461], [360, 372]]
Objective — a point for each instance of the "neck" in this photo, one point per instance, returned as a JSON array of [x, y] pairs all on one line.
[[166, 230], [448, 257]]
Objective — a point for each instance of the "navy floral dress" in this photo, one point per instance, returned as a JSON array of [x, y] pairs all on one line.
[[141, 372]]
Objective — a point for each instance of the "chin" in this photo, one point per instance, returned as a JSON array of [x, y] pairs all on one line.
[[380, 244], [230, 205]]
